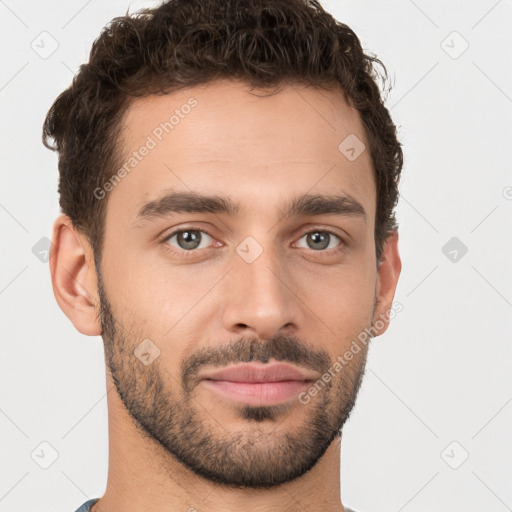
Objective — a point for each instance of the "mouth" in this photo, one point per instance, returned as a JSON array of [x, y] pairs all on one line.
[[257, 384], [258, 393]]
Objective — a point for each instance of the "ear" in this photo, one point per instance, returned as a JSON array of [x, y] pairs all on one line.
[[74, 278], [388, 272]]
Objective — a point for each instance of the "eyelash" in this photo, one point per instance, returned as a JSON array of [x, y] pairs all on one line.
[[186, 254]]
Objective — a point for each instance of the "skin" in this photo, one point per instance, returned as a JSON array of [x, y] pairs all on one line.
[[294, 302]]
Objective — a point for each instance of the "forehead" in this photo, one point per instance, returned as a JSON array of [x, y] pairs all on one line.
[[224, 138]]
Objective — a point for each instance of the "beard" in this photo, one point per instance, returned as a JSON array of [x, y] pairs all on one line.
[[265, 453]]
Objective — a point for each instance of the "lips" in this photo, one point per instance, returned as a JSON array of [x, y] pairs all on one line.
[[258, 384], [260, 373]]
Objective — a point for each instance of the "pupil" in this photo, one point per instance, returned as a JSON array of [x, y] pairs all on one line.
[[188, 239], [322, 237]]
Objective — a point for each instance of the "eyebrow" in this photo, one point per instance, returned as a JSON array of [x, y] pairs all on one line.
[[304, 205]]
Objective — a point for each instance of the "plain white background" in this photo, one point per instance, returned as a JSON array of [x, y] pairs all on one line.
[[431, 429]]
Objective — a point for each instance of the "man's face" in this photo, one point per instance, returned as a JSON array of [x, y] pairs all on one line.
[[252, 286]]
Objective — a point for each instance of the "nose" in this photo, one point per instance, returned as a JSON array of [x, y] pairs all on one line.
[[261, 300]]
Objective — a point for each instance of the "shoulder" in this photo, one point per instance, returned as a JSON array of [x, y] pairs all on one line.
[[86, 507]]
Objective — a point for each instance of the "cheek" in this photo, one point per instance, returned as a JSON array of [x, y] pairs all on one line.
[[154, 294], [342, 300]]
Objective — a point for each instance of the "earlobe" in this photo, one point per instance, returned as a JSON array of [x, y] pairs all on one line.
[[74, 278], [388, 273]]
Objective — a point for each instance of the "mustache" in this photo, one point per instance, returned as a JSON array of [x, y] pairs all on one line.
[[249, 349]]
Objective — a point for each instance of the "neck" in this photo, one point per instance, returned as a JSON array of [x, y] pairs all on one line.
[[143, 475]]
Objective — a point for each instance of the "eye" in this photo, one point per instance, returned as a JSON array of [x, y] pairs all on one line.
[[189, 239], [321, 239]]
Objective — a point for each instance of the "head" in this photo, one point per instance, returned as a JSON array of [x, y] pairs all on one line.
[[228, 179]]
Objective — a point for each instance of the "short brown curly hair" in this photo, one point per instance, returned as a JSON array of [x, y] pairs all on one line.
[[183, 43]]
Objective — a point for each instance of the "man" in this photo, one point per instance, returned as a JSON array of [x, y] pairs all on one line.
[[228, 179]]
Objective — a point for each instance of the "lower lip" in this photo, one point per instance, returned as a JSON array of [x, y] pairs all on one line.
[[258, 393]]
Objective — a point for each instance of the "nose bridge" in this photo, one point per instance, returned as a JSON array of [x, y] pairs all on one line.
[[259, 290]]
